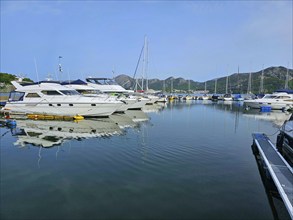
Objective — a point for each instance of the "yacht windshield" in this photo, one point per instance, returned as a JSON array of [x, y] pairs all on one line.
[[16, 96], [102, 81], [69, 92], [269, 96]]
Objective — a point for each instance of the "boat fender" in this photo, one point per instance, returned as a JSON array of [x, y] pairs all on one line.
[[279, 142], [78, 117], [11, 123]]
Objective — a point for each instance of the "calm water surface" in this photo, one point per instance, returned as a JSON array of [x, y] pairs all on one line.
[[188, 160]]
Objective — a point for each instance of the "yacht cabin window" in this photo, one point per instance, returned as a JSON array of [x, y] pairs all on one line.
[[32, 95], [89, 92], [69, 92], [283, 97], [51, 92]]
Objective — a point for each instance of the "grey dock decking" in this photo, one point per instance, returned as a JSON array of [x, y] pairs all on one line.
[[280, 171]]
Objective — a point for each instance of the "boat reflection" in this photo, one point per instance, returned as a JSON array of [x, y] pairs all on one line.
[[156, 107], [137, 115], [51, 133], [122, 120], [275, 116]]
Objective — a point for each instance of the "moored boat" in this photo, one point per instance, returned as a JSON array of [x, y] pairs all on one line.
[[51, 98], [280, 99], [109, 86], [228, 97]]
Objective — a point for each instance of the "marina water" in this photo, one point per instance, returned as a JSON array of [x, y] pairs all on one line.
[[184, 160]]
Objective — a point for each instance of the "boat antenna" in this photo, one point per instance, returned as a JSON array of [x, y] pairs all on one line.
[[36, 70], [59, 65], [68, 77]]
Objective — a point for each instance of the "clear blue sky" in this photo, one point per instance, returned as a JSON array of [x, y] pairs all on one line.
[[195, 40]]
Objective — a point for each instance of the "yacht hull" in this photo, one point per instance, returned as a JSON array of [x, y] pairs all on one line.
[[258, 103], [63, 109]]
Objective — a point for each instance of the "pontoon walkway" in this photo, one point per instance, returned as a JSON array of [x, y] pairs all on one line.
[[280, 171]]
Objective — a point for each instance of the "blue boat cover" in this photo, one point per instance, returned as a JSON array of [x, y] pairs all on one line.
[[76, 82], [289, 91]]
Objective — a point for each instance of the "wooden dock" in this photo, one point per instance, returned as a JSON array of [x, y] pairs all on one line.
[[280, 171]]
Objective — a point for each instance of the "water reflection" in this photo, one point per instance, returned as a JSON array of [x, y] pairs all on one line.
[[50, 133], [237, 109], [189, 156], [275, 116], [137, 115], [47, 133]]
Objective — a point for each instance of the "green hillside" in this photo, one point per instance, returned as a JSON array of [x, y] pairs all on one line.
[[274, 78]]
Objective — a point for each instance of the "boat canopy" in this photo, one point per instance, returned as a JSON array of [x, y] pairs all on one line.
[[36, 83], [75, 82], [289, 91]]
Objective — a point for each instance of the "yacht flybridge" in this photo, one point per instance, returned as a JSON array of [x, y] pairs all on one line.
[[87, 90], [105, 85], [52, 98], [109, 86]]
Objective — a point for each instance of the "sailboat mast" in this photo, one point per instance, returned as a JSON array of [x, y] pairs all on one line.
[[261, 81], [287, 78], [249, 84], [144, 62], [238, 85], [227, 81], [147, 65], [215, 86]]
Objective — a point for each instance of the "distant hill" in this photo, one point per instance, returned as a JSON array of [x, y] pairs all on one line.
[[5, 79], [274, 78]]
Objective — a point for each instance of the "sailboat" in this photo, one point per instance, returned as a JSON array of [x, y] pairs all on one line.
[[227, 96], [188, 97], [238, 97], [145, 91], [215, 97]]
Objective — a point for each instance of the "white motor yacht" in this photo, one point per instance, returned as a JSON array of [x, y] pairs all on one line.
[[87, 90], [51, 98], [109, 86], [280, 99]]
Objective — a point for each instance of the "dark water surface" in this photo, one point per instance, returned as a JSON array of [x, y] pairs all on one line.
[[186, 161]]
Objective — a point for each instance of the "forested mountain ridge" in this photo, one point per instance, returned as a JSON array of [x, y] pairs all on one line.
[[274, 78]]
